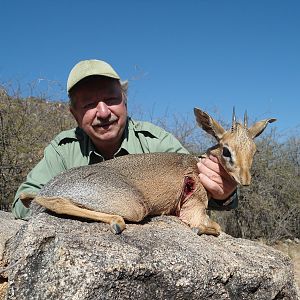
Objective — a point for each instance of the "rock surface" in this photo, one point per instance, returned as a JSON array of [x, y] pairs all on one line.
[[61, 258], [8, 228]]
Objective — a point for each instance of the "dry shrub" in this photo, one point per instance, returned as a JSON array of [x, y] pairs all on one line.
[[26, 127]]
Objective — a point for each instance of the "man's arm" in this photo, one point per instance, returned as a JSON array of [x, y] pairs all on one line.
[[50, 166], [230, 203]]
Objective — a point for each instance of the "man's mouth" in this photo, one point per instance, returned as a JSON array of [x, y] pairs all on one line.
[[105, 125]]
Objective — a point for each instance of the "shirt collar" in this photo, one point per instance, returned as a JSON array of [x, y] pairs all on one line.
[[94, 156]]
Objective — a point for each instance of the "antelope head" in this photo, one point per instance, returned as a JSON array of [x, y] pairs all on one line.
[[236, 148]]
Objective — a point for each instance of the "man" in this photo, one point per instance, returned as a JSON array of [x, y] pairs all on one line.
[[98, 103]]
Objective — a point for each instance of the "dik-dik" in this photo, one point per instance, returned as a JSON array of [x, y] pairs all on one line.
[[135, 186]]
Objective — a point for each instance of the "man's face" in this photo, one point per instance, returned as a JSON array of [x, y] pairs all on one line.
[[100, 110]]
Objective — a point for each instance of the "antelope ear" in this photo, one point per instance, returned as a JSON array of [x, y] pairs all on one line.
[[257, 128], [207, 123]]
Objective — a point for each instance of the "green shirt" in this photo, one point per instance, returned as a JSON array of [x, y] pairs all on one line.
[[74, 148]]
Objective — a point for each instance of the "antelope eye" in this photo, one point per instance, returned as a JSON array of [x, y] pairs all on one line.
[[226, 152]]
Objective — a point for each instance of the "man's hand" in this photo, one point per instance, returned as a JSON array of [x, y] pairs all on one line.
[[215, 179]]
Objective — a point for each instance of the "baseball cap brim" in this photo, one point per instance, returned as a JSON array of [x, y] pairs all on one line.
[[87, 68]]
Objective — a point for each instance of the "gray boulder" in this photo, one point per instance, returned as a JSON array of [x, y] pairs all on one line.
[[8, 228], [64, 258]]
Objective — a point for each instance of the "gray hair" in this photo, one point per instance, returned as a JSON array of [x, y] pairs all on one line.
[[124, 90]]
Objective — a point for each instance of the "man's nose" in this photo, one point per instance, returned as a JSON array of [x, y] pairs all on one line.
[[102, 110]]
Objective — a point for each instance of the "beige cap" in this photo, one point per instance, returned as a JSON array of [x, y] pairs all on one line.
[[87, 68]]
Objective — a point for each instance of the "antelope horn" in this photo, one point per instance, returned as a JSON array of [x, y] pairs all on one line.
[[233, 126], [246, 119]]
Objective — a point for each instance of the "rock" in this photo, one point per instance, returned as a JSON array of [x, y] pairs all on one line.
[[9, 226], [63, 258]]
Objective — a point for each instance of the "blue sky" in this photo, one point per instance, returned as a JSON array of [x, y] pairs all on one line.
[[214, 54]]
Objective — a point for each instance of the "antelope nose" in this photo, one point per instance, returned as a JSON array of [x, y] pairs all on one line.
[[245, 178]]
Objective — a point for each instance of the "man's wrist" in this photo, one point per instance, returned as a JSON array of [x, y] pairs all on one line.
[[227, 204]]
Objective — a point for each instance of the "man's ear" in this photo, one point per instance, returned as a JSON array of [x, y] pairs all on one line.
[[207, 123], [124, 85], [73, 112], [124, 88]]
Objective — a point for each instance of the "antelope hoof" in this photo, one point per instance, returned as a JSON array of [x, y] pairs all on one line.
[[212, 231], [206, 230], [196, 230], [117, 226]]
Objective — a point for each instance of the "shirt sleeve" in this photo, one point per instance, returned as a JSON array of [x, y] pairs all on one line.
[[51, 165]]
